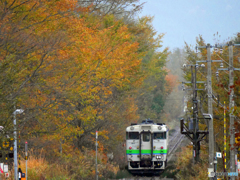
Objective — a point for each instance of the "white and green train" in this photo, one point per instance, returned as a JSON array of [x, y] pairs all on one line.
[[147, 147]]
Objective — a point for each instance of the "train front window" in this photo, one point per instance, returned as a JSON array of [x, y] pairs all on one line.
[[146, 137], [161, 135], [132, 135]]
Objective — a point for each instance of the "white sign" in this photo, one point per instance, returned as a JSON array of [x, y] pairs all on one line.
[[218, 155], [5, 168], [1, 168], [210, 172]]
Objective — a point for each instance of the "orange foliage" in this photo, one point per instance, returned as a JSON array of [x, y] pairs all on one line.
[[171, 82], [68, 72]]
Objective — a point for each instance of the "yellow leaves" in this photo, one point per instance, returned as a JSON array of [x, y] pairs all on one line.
[[79, 67], [108, 92], [66, 5], [102, 133], [64, 54]]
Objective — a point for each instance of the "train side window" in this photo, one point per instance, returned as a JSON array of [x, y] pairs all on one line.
[[161, 135], [132, 135], [146, 137]]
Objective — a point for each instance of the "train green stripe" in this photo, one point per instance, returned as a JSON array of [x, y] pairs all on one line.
[[145, 151]]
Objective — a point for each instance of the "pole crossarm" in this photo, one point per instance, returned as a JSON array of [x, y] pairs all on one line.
[[228, 69], [189, 82], [203, 133], [188, 89], [209, 61], [217, 46], [184, 130], [188, 133], [201, 47]]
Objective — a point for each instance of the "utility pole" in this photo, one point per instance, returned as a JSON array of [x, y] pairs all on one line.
[[17, 111], [194, 134], [196, 143], [231, 69], [231, 106], [96, 156], [15, 148], [26, 156], [210, 111]]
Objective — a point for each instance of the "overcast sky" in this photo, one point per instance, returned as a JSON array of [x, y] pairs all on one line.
[[184, 20]]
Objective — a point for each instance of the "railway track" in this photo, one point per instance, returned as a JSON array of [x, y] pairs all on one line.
[[174, 143], [146, 178]]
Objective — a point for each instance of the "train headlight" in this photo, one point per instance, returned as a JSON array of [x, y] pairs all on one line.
[[159, 127], [159, 156], [132, 128]]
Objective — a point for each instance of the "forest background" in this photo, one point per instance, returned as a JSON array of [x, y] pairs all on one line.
[[77, 67]]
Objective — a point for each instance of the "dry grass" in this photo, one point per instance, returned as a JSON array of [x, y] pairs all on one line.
[[70, 166], [40, 169]]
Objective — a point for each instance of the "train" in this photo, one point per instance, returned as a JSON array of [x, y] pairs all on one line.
[[147, 147]]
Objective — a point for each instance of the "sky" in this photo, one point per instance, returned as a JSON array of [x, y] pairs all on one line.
[[184, 20]]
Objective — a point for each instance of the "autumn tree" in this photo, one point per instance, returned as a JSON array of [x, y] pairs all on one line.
[[153, 67], [75, 67], [118, 8]]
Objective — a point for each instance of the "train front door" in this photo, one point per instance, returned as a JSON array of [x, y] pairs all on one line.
[[146, 146]]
